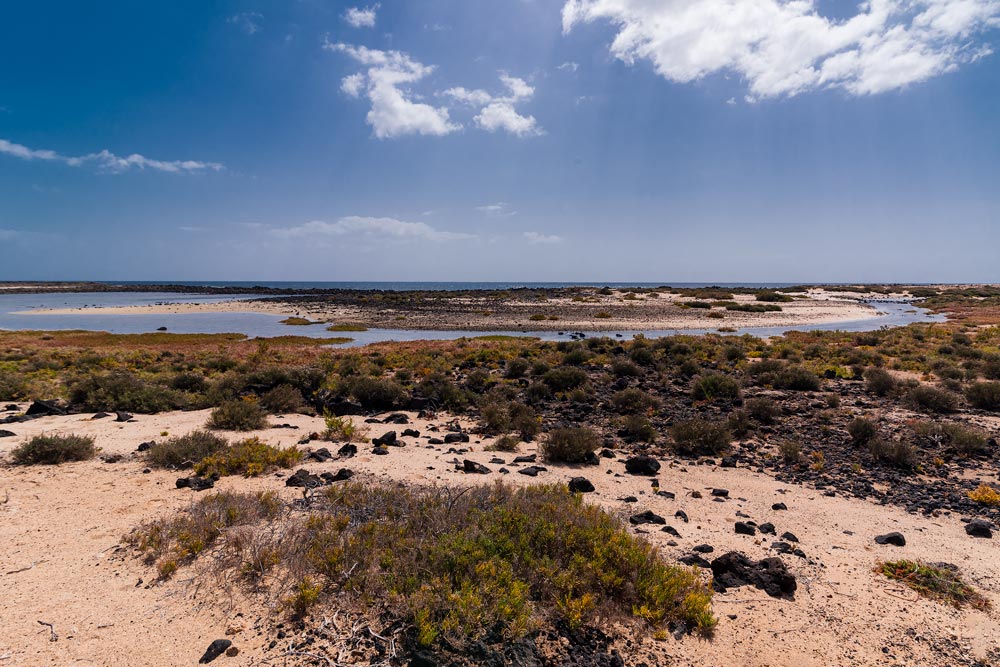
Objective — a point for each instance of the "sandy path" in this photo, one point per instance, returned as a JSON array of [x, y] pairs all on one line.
[[71, 517]]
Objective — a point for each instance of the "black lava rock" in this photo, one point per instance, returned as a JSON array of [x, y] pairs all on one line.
[[979, 528], [347, 451], [214, 650], [743, 528], [646, 517], [195, 483], [473, 467], [580, 485], [642, 465], [895, 539], [734, 569]]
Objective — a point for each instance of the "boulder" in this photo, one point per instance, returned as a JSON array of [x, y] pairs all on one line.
[[475, 468], [894, 538], [646, 517], [580, 485], [734, 569], [214, 650], [347, 451], [642, 465], [979, 528]]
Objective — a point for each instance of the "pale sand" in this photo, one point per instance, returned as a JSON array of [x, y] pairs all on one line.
[[650, 314], [67, 521]]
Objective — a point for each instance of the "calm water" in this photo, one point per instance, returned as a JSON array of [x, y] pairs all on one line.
[[437, 286], [267, 326]]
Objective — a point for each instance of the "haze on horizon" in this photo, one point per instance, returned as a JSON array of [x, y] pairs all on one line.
[[529, 140]]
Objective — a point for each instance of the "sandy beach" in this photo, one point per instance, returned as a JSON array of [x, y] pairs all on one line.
[[62, 562], [589, 310]]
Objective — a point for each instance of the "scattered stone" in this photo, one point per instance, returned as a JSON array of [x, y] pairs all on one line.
[[7, 434], [388, 438], [629, 499], [767, 529], [380, 451], [895, 539], [728, 462], [979, 528], [734, 569], [704, 549], [321, 455], [100, 415], [411, 433], [693, 560], [580, 485], [743, 528], [529, 458], [144, 446], [342, 475], [720, 493], [215, 649], [303, 478], [451, 438], [607, 453], [532, 471], [682, 515], [112, 458], [646, 517], [347, 451], [666, 494], [396, 418], [642, 465], [195, 483], [473, 467], [123, 417], [232, 652], [670, 530], [789, 537], [782, 547], [779, 506], [42, 408]]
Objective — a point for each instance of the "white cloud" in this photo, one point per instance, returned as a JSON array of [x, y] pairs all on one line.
[[499, 208], [393, 113], [785, 47], [569, 66], [538, 237], [497, 112], [108, 161], [361, 18], [248, 22], [371, 227]]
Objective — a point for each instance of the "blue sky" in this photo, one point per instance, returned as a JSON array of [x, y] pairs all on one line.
[[591, 140]]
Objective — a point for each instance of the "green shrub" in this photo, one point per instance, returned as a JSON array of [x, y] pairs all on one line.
[[239, 415], [713, 386], [701, 437], [862, 431], [517, 368], [185, 450], [122, 390], [797, 378], [763, 410], [53, 449], [984, 395], [443, 393], [564, 378], [879, 381], [791, 451], [569, 445], [931, 399], [13, 387], [895, 452], [632, 401], [576, 357], [938, 581], [454, 568], [753, 307], [250, 458], [624, 368], [505, 443], [773, 297], [283, 398], [638, 428], [377, 393], [965, 441]]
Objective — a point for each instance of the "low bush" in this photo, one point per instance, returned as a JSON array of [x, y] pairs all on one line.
[[986, 495], [637, 428], [564, 378], [773, 297], [894, 452], [504, 416], [763, 410], [238, 415], [715, 386], [517, 368], [632, 401], [53, 449], [931, 399], [283, 398], [570, 445], [340, 429], [505, 443], [797, 378], [791, 451], [938, 581], [879, 381], [753, 307], [696, 437], [124, 391], [963, 440], [377, 393], [250, 458], [984, 395], [451, 569], [13, 387], [185, 450], [622, 367], [862, 431]]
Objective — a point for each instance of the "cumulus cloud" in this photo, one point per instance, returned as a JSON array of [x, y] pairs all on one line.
[[785, 47], [497, 112], [248, 22], [107, 161], [393, 113], [371, 227], [361, 18], [538, 237]]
